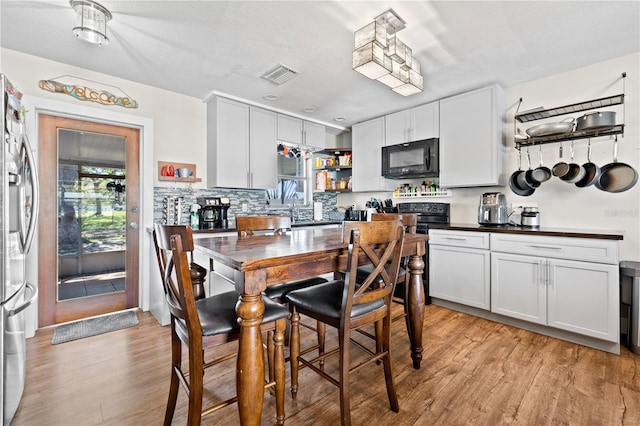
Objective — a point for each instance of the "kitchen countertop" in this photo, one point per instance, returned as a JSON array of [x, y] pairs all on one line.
[[293, 225], [513, 229]]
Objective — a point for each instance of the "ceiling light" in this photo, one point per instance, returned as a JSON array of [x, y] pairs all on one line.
[[380, 55], [270, 97], [309, 109], [339, 119], [92, 21]]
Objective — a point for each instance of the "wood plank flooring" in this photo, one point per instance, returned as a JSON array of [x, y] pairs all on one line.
[[474, 372]]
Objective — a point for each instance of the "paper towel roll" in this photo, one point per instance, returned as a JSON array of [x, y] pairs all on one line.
[[317, 210]]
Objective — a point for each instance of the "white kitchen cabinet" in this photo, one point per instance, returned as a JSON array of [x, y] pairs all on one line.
[[421, 122], [300, 132], [459, 267], [566, 283], [262, 149], [471, 134], [241, 145], [367, 141]]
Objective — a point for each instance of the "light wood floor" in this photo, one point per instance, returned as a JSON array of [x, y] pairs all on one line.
[[474, 372]]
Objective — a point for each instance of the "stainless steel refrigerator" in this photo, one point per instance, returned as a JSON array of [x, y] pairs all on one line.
[[19, 201]]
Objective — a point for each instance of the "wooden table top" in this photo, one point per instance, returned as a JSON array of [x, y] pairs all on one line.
[[264, 251]]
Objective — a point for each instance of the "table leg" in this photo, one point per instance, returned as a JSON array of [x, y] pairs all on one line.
[[250, 364], [415, 311]]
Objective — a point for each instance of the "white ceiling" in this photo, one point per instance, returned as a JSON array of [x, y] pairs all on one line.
[[197, 48]]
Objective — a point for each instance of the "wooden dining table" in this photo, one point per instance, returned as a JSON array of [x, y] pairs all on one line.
[[264, 260]]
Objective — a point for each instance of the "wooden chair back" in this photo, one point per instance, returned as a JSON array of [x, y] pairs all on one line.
[[177, 298], [247, 225], [409, 220], [379, 243]]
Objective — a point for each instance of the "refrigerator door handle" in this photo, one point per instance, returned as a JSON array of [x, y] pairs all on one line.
[[30, 167], [24, 305]]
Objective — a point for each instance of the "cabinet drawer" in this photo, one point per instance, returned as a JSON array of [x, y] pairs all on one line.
[[478, 240], [583, 249]]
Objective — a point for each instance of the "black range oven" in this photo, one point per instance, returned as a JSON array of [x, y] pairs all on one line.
[[428, 214]]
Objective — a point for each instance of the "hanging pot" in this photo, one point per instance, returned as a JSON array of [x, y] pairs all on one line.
[[517, 176], [616, 177], [591, 171], [560, 168]]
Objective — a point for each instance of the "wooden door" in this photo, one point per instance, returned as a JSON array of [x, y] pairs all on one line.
[[51, 308]]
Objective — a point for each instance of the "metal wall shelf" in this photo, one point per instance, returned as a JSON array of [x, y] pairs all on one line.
[[540, 114]]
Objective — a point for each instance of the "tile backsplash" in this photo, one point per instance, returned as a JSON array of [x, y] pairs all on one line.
[[254, 198]]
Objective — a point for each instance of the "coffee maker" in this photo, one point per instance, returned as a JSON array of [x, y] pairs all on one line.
[[493, 209], [213, 212]]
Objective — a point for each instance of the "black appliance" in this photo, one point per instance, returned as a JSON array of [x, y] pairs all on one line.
[[416, 159], [213, 212], [428, 214]]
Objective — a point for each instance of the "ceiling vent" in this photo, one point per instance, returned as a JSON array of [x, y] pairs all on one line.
[[280, 74]]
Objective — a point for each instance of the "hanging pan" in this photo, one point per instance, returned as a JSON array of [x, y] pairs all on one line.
[[561, 168], [517, 183], [576, 171], [591, 171], [541, 173], [616, 177], [528, 176]]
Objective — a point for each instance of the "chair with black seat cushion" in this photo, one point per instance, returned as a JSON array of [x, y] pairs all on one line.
[[206, 323], [348, 305], [248, 226]]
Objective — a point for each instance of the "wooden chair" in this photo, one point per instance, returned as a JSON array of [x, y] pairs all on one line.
[[277, 225], [207, 323], [347, 305]]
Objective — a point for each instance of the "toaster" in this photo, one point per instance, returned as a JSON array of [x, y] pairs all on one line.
[[493, 209]]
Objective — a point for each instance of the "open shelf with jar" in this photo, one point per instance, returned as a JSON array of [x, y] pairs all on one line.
[[332, 168], [171, 172], [428, 189]]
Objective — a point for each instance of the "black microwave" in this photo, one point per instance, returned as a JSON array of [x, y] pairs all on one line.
[[411, 160]]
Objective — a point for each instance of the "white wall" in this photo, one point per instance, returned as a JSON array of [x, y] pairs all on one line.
[[563, 205], [179, 121]]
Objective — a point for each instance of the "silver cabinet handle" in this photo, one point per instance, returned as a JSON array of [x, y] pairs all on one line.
[[455, 238], [544, 247]]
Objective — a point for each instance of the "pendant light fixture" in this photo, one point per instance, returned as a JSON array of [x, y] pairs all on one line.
[[92, 21], [380, 55]]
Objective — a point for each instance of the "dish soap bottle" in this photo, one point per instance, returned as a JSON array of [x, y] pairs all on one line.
[[195, 217]]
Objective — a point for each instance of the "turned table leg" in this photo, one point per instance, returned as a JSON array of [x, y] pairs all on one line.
[[415, 311], [250, 363]]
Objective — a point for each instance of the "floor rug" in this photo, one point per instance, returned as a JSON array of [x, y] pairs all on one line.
[[94, 326]]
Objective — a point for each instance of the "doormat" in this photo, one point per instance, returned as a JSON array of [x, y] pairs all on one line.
[[94, 326]]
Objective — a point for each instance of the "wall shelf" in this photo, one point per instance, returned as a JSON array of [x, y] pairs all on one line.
[[441, 193], [177, 166]]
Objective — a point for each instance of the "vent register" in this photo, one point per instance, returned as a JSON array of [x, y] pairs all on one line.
[[280, 74]]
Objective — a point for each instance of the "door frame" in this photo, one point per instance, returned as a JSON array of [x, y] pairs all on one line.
[[73, 109], [54, 311]]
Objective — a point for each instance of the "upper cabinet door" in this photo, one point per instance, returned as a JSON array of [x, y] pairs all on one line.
[[289, 129], [425, 121], [421, 122], [366, 142], [471, 147], [314, 135], [262, 148], [227, 143]]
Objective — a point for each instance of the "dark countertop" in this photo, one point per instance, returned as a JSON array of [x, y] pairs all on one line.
[[513, 229], [293, 225]]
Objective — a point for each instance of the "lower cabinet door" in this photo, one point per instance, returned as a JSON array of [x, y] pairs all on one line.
[[518, 287], [584, 298], [460, 275]]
